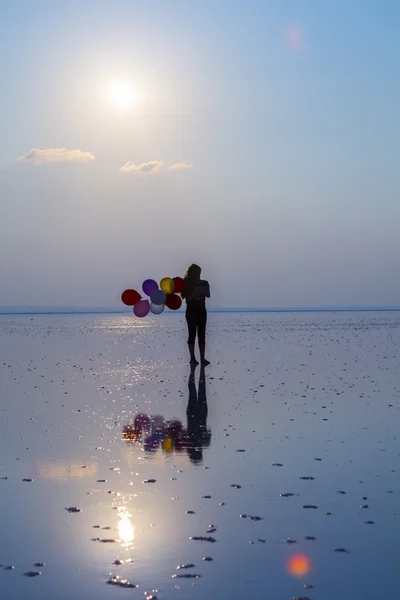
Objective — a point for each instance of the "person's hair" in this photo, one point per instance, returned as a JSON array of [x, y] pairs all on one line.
[[192, 278]]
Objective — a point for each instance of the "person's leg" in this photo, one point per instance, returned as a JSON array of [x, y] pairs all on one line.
[[191, 323], [201, 332]]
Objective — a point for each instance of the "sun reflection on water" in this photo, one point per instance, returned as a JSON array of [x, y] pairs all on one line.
[[125, 527]]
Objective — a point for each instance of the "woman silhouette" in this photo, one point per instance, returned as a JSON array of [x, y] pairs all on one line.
[[195, 292]]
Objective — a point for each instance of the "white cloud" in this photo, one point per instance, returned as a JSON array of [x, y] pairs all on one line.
[[51, 155], [180, 165], [150, 167]]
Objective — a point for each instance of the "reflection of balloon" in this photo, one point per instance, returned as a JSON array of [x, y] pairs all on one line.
[[180, 444], [130, 297], [167, 285], [157, 422], [157, 297], [178, 281], [173, 301], [141, 308], [141, 422], [151, 443], [174, 428], [157, 309], [167, 445], [130, 433], [149, 286]]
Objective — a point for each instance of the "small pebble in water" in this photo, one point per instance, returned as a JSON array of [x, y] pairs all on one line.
[[207, 558], [308, 586], [27, 480], [243, 516], [341, 550], [308, 478], [200, 538], [190, 512], [341, 492], [310, 506], [115, 580], [188, 566], [9, 568], [311, 538], [286, 495], [369, 522], [206, 497], [39, 564], [364, 506], [185, 576], [277, 465], [236, 486], [73, 509], [149, 481], [32, 573]]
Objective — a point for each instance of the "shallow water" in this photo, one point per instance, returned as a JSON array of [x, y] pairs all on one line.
[[290, 433]]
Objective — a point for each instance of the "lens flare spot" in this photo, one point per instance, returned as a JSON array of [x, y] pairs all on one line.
[[298, 565]]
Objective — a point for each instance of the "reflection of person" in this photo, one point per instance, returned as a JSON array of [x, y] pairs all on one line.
[[197, 434], [195, 291]]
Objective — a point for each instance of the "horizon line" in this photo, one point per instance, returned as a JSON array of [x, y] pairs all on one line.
[[29, 310]]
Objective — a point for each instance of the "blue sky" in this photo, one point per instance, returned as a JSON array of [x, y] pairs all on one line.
[[281, 119]]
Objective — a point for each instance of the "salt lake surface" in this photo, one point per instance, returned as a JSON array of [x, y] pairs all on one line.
[[281, 457]]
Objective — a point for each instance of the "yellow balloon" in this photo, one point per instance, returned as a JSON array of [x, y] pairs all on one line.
[[167, 445], [167, 285]]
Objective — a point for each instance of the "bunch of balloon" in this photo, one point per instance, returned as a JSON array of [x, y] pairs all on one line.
[[159, 296]]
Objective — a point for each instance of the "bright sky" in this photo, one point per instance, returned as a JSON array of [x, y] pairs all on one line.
[[258, 139]]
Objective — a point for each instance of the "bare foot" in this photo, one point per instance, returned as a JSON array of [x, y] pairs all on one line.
[[205, 362], [194, 362]]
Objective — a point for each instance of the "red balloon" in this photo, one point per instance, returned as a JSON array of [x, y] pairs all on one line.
[[142, 422], [173, 301], [130, 297], [178, 281]]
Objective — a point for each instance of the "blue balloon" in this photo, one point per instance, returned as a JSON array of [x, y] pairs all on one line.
[[149, 286], [158, 297]]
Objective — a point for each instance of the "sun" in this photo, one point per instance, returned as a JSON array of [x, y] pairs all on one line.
[[121, 94]]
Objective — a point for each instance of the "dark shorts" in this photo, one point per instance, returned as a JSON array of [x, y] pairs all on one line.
[[196, 320]]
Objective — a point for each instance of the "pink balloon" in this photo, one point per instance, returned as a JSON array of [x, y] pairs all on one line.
[[141, 308]]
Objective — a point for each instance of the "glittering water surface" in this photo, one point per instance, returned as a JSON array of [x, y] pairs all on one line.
[[273, 473]]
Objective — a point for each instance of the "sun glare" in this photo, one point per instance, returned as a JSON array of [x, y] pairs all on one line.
[[121, 95]]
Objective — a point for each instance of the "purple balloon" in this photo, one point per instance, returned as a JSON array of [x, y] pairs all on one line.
[[149, 286], [141, 308], [158, 297]]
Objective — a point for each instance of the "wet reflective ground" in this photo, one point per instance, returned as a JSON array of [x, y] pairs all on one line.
[[273, 473]]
